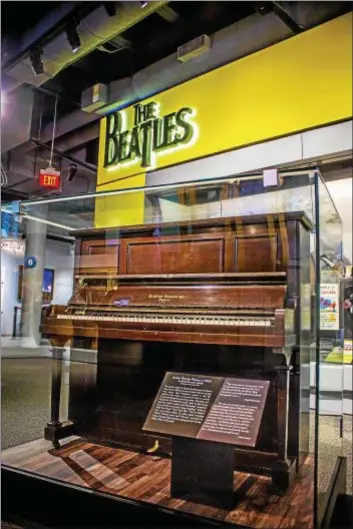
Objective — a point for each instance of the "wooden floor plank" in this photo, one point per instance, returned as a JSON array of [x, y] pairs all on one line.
[[146, 478]]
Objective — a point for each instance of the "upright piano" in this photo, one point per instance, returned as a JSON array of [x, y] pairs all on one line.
[[219, 297]]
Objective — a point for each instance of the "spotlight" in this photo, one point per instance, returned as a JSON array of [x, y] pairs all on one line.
[[35, 58], [73, 37], [72, 172], [143, 4]]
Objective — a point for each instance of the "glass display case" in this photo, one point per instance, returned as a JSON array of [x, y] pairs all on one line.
[[234, 283]]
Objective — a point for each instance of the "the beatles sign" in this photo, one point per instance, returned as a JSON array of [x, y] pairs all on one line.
[[150, 134]]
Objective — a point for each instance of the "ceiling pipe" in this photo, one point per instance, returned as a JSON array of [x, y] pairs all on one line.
[[240, 39], [284, 15], [237, 40], [64, 155], [94, 29]]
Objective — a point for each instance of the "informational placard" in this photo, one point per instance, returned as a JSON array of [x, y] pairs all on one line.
[[225, 410], [329, 307]]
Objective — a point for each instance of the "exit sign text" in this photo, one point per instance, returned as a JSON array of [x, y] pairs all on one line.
[[50, 179]]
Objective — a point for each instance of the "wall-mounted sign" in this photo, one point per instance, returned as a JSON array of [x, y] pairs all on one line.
[[9, 224], [49, 178], [30, 262], [149, 134], [14, 246]]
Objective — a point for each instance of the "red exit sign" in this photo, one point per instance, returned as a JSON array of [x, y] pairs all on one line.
[[50, 178]]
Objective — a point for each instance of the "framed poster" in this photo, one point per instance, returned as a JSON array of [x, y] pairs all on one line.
[[329, 307], [47, 286]]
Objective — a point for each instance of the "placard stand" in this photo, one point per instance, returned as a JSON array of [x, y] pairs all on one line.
[[203, 472]]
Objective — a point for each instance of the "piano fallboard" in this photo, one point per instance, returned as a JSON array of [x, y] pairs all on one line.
[[230, 309]]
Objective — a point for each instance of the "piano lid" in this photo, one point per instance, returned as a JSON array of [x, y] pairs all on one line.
[[150, 229]]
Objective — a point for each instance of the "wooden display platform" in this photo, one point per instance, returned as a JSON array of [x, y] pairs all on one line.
[[146, 479]]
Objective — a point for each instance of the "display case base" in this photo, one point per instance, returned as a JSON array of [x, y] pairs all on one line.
[[202, 472], [120, 482]]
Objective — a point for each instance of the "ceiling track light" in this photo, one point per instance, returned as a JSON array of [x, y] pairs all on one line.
[[144, 4], [35, 59], [73, 37]]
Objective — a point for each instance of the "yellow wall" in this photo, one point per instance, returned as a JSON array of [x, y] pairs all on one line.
[[121, 210], [301, 83]]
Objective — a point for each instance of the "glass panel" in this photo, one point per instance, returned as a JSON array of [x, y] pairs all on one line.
[[208, 278], [175, 202], [12, 255], [329, 368]]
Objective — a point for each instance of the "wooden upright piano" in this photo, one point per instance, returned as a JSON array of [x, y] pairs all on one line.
[[221, 296]]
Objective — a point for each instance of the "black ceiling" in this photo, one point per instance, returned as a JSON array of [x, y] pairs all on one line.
[[18, 17], [155, 37]]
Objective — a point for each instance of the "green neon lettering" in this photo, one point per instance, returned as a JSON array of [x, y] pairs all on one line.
[[150, 133]]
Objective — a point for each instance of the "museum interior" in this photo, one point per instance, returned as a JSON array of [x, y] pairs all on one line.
[[176, 264]]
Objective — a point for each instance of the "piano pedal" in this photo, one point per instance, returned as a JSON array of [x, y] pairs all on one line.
[[154, 448]]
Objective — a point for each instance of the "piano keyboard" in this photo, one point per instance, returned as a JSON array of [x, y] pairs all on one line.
[[202, 320]]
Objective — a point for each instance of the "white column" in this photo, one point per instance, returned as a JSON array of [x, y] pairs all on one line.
[[33, 281]]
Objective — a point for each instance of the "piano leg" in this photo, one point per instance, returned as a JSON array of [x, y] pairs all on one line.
[[53, 427], [284, 471]]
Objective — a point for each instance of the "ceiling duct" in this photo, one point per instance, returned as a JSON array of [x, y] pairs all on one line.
[[240, 39], [94, 30], [235, 41]]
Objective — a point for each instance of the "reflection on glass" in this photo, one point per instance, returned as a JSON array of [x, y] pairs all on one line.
[[212, 277]]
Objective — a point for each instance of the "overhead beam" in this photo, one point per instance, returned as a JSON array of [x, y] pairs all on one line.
[[62, 154], [286, 18]]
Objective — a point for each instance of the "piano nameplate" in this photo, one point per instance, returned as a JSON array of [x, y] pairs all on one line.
[[190, 296]]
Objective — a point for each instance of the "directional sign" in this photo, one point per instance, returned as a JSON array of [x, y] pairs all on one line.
[[30, 262]]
